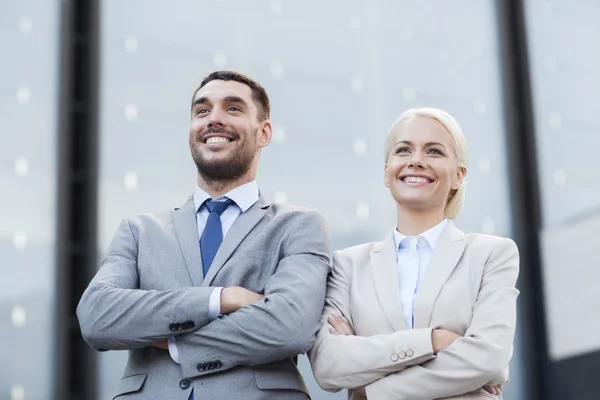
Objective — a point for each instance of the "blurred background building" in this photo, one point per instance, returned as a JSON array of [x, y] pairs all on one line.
[[94, 112]]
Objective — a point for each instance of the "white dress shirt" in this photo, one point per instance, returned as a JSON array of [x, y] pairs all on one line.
[[244, 197], [413, 255]]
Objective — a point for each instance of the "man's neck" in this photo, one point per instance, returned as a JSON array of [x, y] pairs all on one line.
[[414, 223], [216, 188]]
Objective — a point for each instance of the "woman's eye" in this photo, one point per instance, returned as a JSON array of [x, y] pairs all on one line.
[[402, 150], [435, 151]]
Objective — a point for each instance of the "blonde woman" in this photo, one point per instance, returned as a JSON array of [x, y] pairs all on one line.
[[429, 312]]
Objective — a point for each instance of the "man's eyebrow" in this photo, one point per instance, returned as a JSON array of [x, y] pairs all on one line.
[[228, 99]]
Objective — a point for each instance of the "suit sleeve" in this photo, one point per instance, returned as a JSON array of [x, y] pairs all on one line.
[[482, 355], [114, 314], [283, 324], [340, 362]]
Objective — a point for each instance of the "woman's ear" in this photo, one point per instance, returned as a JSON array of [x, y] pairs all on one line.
[[385, 179], [459, 178]]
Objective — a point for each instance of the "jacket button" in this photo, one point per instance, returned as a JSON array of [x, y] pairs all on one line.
[[394, 357], [402, 355], [410, 352], [184, 384], [173, 327], [201, 367], [189, 325], [218, 364]]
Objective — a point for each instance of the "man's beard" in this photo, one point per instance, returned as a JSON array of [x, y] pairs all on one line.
[[233, 166]]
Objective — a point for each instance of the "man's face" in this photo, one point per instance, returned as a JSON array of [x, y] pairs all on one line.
[[225, 132]]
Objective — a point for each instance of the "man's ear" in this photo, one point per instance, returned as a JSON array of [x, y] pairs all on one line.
[[266, 134]]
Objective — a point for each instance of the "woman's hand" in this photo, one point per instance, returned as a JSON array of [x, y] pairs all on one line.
[[495, 389], [339, 325]]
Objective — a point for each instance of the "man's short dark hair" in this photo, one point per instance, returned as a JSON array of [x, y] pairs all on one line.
[[259, 95]]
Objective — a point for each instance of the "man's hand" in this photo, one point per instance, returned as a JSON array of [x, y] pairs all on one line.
[[441, 338], [162, 345], [235, 297]]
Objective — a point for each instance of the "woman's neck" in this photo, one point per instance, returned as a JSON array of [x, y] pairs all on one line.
[[413, 223]]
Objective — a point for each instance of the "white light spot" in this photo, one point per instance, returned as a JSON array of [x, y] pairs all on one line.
[[276, 70], [17, 392], [484, 167], [550, 64], [555, 120], [131, 44], [219, 59], [278, 134], [357, 85], [280, 197], [480, 108], [20, 240], [131, 181], [275, 7], [355, 23], [362, 210], [23, 95], [18, 316], [25, 25], [408, 94], [488, 226], [360, 146], [560, 178], [21, 167], [131, 112]]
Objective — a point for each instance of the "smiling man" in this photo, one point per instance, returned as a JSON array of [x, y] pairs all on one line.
[[214, 299]]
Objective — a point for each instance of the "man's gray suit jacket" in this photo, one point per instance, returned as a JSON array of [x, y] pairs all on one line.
[[150, 287]]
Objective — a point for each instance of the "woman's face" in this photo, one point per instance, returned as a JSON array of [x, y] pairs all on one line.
[[421, 170]]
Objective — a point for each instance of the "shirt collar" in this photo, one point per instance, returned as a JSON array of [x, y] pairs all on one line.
[[244, 196], [432, 235]]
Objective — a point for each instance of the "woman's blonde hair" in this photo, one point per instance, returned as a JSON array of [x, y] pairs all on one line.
[[456, 199]]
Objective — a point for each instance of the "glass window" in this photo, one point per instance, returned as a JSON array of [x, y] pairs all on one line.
[[565, 83], [337, 79], [28, 137]]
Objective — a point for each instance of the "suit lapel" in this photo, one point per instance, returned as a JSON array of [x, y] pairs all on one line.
[[446, 256], [186, 229], [385, 273], [238, 231]]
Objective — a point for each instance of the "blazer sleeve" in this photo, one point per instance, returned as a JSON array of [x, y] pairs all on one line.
[[283, 324], [482, 355], [114, 314], [346, 362]]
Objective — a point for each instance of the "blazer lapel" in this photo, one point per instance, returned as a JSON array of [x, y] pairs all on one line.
[[385, 273], [238, 232], [186, 229], [446, 256]]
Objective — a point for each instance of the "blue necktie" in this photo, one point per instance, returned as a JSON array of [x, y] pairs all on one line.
[[212, 236]]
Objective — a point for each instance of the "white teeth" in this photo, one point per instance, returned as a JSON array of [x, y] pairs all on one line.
[[216, 139], [415, 179]]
